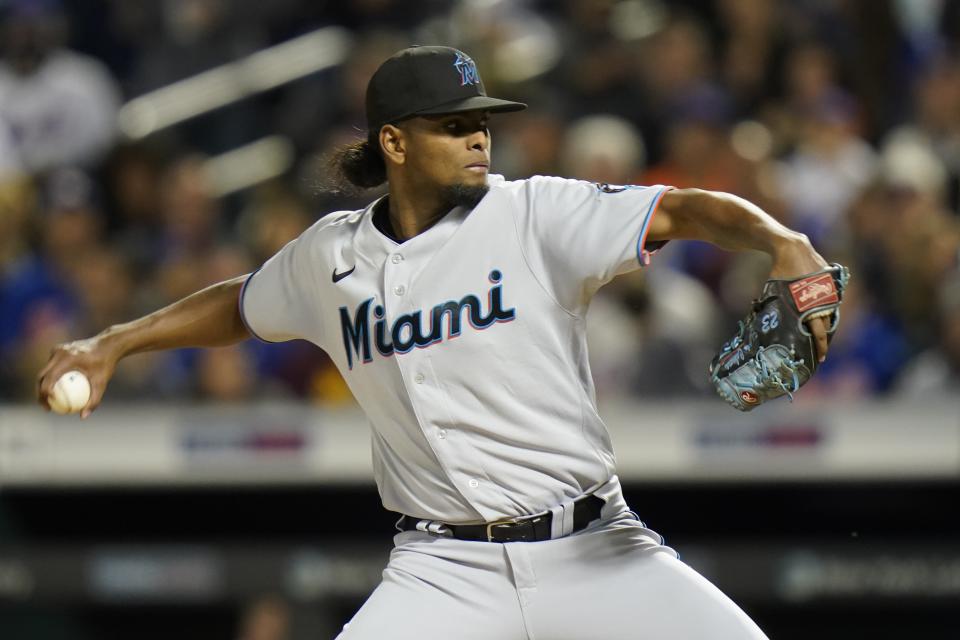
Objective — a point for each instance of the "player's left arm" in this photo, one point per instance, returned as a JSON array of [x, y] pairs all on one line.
[[735, 224]]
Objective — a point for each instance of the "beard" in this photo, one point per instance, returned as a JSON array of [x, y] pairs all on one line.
[[463, 195]]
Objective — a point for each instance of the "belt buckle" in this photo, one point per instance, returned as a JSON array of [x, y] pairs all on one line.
[[495, 523]]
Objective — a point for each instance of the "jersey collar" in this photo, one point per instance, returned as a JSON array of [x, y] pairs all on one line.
[[375, 245]]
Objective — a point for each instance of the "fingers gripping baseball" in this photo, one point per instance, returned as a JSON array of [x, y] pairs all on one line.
[[89, 357]]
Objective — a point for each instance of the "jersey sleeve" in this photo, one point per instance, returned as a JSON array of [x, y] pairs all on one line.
[[278, 301], [578, 235]]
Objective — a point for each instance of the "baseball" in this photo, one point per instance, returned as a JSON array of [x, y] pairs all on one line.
[[70, 394]]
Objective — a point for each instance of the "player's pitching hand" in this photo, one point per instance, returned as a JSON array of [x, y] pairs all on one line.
[[91, 356]]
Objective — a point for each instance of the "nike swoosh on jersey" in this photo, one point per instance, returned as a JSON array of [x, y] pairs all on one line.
[[337, 277]]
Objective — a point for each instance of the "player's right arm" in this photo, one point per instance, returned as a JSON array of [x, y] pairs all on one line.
[[209, 318]]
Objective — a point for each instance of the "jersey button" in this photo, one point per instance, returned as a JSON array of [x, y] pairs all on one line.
[[399, 289], [396, 258], [474, 483], [418, 378], [442, 434]]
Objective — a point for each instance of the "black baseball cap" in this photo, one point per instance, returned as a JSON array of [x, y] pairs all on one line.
[[428, 80]]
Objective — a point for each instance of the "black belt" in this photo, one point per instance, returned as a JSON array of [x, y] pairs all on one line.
[[524, 529]]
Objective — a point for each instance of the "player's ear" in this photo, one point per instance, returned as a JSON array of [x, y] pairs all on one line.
[[392, 144]]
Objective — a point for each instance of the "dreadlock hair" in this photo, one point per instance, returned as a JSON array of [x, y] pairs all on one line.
[[356, 166]]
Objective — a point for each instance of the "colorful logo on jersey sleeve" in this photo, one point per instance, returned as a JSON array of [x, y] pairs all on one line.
[[606, 187], [443, 322]]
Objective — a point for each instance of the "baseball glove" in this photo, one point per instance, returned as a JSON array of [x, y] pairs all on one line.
[[773, 353]]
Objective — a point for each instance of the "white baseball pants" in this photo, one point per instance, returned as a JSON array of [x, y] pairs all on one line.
[[612, 581]]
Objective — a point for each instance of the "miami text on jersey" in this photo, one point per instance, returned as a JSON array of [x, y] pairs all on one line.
[[407, 330]]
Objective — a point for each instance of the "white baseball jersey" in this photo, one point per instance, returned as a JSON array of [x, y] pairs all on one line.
[[465, 345]]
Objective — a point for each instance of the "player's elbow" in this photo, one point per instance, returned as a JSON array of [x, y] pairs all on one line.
[[681, 212]]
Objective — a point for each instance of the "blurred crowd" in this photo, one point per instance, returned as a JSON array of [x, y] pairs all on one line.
[[839, 117]]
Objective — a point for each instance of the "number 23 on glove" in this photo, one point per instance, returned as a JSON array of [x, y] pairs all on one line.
[[774, 353]]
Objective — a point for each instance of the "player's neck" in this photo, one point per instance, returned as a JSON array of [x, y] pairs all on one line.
[[411, 214]]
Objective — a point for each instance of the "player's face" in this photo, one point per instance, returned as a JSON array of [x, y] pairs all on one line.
[[448, 150]]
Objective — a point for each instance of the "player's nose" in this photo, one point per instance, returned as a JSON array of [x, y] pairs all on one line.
[[478, 140]]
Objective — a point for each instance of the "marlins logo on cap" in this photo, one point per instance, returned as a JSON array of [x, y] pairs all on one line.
[[467, 69]]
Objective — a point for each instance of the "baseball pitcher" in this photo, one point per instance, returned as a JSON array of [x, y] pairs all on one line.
[[454, 307]]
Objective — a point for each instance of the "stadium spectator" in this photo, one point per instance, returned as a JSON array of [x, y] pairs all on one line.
[[935, 126], [935, 373], [59, 105], [828, 167]]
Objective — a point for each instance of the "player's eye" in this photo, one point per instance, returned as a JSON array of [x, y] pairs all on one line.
[[462, 127]]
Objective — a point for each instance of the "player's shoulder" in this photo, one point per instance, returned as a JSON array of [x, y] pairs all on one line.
[[543, 186], [540, 191], [535, 183], [334, 225], [565, 188]]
